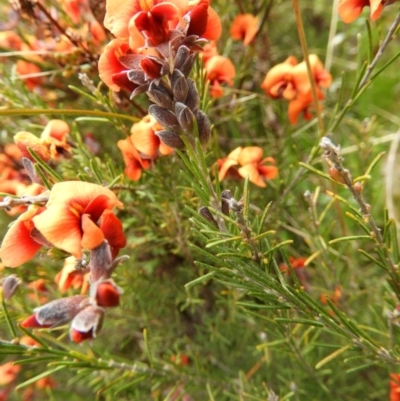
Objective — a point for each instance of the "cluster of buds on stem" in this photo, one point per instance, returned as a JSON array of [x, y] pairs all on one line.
[[158, 59], [84, 313]]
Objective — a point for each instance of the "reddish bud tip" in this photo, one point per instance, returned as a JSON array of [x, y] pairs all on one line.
[[31, 323], [107, 295], [78, 336]]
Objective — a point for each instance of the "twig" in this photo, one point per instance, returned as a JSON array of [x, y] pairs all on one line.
[[382, 47], [332, 154], [304, 48], [9, 202]]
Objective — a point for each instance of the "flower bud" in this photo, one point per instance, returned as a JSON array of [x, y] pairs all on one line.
[[56, 313], [160, 95], [30, 169], [185, 117], [205, 212], [180, 89], [204, 127], [25, 140], [106, 293], [171, 139], [86, 324], [10, 285], [193, 97], [164, 117], [335, 175], [182, 55]]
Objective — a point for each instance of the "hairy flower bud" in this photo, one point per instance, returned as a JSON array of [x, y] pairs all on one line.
[[56, 313], [171, 139], [87, 323], [335, 175], [164, 117], [205, 212], [193, 97], [160, 95], [182, 55], [106, 293], [10, 285], [180, 89], [185, 117], [204, 127]]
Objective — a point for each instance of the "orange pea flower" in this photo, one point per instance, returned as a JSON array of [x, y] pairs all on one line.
[[8, 373], [146, 141], [244, 27], [18, 245], [132, 159], [248, 161], [72, 213], [10, 40], [219, 70], [395, 387], [289, 80], [155, 18], [111, 71], [209, 50], [349, 10], [51, 144]]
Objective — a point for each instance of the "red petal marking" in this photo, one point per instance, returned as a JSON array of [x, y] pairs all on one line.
[[78, 336], [31, 322], [121, 79], [198, 19], [151, 68], [112, 230], [97, 206]]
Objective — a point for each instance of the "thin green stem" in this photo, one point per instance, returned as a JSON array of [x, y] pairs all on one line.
[[304, 48], [95, 113]]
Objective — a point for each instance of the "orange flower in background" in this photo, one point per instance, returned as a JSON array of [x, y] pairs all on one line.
[[133, 162], [289, 80], [146, 141], [10, 40], [219, 70], [51, 144], [335, 297], [209, 50], [278, 81], [244, 27], [8, 373], [349, 10], [395, 387], [297, 263], [248, 161], [18, 246], [69, 277]]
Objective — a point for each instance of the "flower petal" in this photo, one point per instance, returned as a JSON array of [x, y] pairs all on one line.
[[92, 235], [251, 170]]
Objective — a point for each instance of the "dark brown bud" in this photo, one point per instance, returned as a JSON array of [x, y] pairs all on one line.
[[226, 194], [188, 64], [160, 95], [182, 55], [204, 127], [140, 89], [10, 285], [205, 212], [137, 76], [171, 139], [180, 89], [164, 117], [185, 117], [193, 97]]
